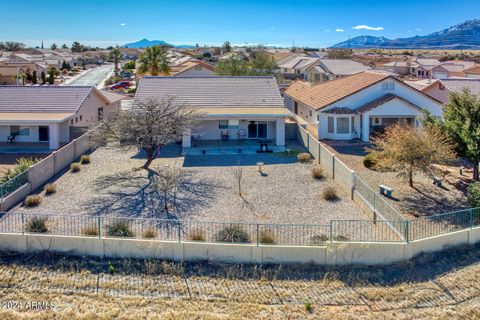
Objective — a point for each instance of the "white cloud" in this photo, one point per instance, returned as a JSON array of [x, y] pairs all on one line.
[[327, 30], [365, 27], [339, 30], [273, 27], [419, 29], [123, 24]]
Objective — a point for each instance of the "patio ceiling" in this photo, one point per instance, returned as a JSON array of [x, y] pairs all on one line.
[[245, 112], [12, 117]]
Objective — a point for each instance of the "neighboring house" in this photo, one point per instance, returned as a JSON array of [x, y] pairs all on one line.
[[52, 114], [451, 69], [247, 108], [441, 89], [403, 68], [425, 66], [330, 69], [192, 68], [355, 106], [297, 68], [473, 73]]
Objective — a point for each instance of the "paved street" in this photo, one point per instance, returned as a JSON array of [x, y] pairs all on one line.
[[94, 77]]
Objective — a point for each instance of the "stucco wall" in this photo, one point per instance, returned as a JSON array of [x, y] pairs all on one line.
[[208, 129]]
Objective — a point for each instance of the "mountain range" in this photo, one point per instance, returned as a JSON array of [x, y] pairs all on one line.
[[465, 35], [145, 43]]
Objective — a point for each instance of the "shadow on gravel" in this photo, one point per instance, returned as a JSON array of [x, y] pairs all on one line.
[[422, 268]]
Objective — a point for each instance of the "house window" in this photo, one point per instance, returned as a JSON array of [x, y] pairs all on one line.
[[318, 118], [76, 120], [388, 86], [441, 86], [19, 131], [223, 124], [100, 114], [295, 107], [310, 113], [353, 124], [71, 121], [343, 125], [330, 124], [80, 118]]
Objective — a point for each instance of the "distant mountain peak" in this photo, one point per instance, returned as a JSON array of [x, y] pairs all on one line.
[[465, 35], [145, 43]]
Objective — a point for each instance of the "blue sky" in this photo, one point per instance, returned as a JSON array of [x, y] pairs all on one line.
[[309, 23]]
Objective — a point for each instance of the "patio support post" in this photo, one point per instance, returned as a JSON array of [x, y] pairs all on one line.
[[187, 140], [280, 132], [54, 136], [365, 127]]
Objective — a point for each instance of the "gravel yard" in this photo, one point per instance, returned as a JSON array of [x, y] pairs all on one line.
[[424, 199], [285, 193]]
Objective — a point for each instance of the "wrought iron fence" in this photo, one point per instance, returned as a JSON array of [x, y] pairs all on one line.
[[13, 184]]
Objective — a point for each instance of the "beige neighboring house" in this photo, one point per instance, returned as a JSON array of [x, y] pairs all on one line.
[[297, 68], [52, 115], [330, 69], [403, 68], [12, 66], [441, 89], [424, 67], [192, 68], [473, 72]]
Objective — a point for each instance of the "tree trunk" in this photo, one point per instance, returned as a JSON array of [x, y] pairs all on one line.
[[475, 171], [410, 178], [151, 155]]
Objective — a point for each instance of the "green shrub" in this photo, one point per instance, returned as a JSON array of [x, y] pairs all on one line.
[[121, 229], [197, 234], [304, 157], [85, 159], [368, 161], [233, 233], [309, 306], [32, 201], [267, 237], [111, 268], [473, 195], [329, 194], [50, 188], [36, 225], [75, 167], [90, 230], [21, 165], [317, 172], [150, 233], [318, 240]]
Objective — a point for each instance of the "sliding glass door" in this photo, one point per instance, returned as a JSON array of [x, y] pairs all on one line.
[[257, 130]]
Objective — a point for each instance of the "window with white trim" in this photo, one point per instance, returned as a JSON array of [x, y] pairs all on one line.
[[343, 125], [331, 124]]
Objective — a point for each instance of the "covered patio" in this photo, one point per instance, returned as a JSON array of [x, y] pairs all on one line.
[[219, 147]]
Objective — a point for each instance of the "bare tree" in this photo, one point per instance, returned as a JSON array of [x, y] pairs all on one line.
[[167, 182], [150, 125], [407, 149], [237, 173]]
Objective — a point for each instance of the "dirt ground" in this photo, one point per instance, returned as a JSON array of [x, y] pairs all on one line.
[[424, 199], [45, 286]]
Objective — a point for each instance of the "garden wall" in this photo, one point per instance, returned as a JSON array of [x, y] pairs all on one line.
[[335, 253], [42, 171]]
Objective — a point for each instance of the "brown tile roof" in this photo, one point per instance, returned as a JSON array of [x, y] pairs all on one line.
[[474, 70], [112, 96], [382, 100], [324, 94]]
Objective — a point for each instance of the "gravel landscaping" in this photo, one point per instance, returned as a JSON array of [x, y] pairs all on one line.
[[285, 192], [425, 198]]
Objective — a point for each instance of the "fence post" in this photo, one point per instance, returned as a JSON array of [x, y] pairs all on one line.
[[23, 224], [179, 231], [99, 225], [406, 231], [471, 218], [333, 167], [319, 152], [331, 232], [257, 235]]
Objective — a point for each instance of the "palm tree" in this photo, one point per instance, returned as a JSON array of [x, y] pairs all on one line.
[[154, 61], [115, 55]]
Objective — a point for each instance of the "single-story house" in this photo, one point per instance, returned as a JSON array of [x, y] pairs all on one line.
[[330, 69], [233, 108], [52, 114], [353, 107], [473, 72], [192, 68], [441, 89]]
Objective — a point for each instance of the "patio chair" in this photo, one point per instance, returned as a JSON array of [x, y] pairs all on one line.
[[11, 139], [225, 135], [241, 134]]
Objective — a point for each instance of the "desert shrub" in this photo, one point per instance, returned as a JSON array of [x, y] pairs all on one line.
[[340, 238], [318, 240], [32, 201], [197, 234], [150, 233], [120, 228], [21, 165], [50, 188], [309, 306], [329, 194], [473, 195], [304, 157], [111, 268], [317, 172], [368, 161], [267, 237], [36, 225], [85, 159], [233, 233], [75, 167], [90, 230]]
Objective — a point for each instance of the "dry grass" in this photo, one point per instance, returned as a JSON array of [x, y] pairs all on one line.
[[50, 188], [85, 159], [304, 157], [329, 193], [32, 201], [75, 167], [317, 172], [149, 234], [90, 230], [197, 234]]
